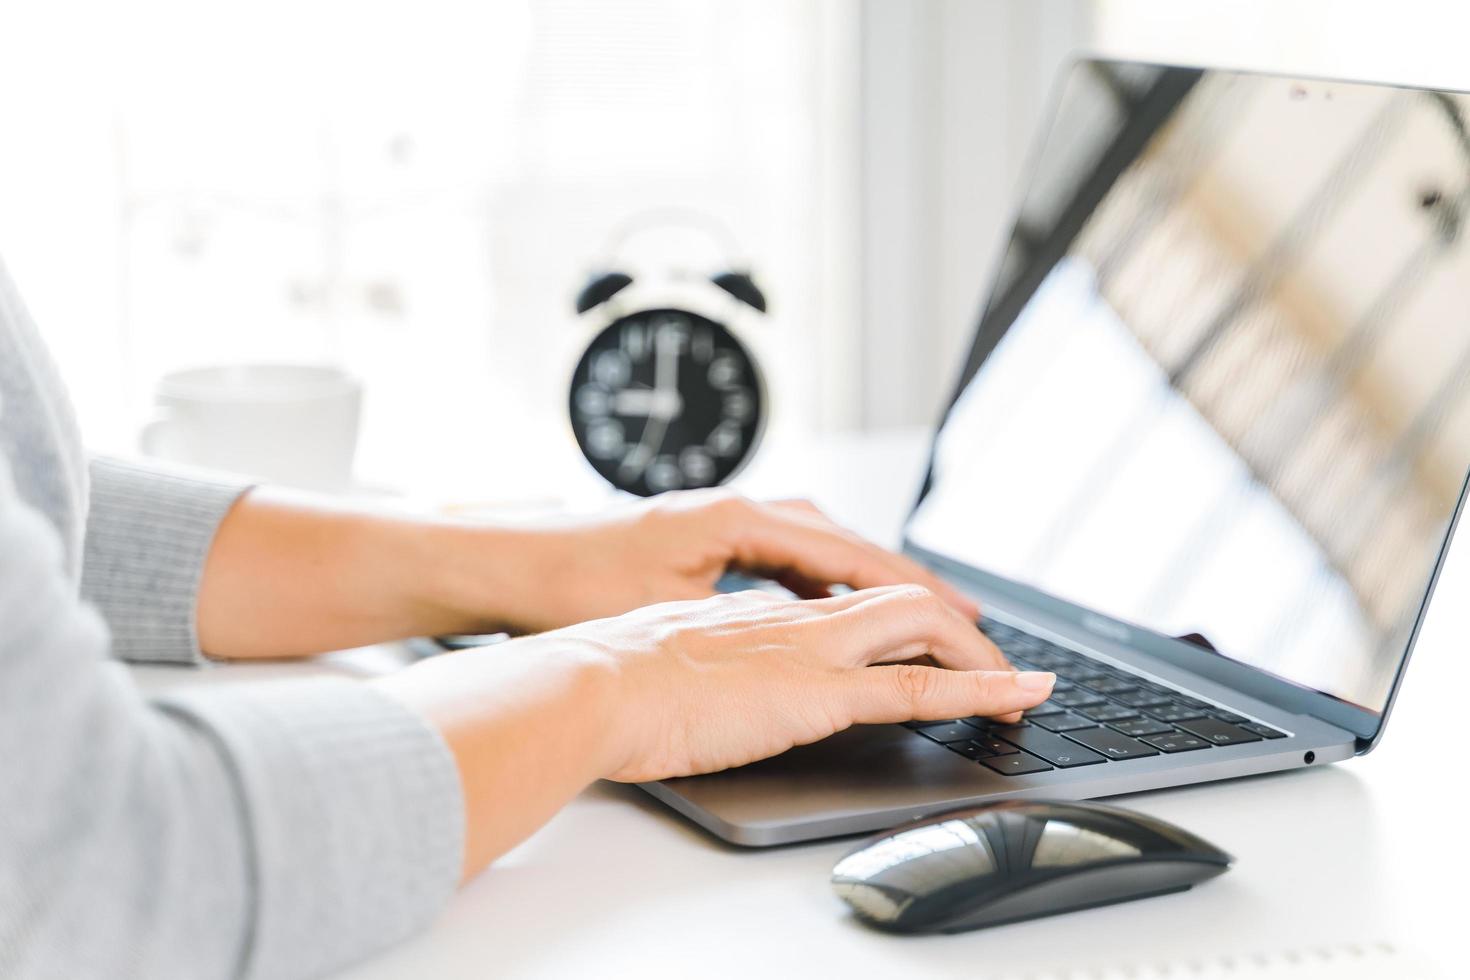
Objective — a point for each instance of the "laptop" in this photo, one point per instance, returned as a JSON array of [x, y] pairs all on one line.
[[1204, 457]]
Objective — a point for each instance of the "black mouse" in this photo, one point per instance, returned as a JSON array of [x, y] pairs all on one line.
[[1017, 860]]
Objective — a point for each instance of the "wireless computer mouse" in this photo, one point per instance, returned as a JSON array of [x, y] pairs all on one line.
[[1017, 860]]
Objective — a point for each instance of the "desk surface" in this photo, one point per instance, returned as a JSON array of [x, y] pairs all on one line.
[[1354, 855]]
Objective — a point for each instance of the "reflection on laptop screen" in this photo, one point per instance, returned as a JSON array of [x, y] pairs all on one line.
[[1221, 384]]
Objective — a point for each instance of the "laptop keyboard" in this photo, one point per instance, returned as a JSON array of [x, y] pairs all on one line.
[[1097, 713]]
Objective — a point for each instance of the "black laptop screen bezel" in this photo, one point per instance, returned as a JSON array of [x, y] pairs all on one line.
[[1364, 723]]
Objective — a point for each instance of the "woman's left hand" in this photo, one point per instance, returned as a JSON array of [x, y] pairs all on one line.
[[676, 546]]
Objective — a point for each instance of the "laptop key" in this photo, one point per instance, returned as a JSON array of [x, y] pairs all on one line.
[[995, 746], [1114, 745], [1218, 732], [1108, 712], [986, 724], [1229, 716], [1044, 708], [1111, 686], [1064, 722], [1174, 712], [1176, 742], [1265, 731], [1141, 726], [1076, 699], [1142, 699], [954, 732], [970, 750], [1015, 764], [1053, 748], [1000, 631]]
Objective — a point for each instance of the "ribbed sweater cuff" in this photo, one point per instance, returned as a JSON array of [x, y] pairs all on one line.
[[148, 534], [354, 811]]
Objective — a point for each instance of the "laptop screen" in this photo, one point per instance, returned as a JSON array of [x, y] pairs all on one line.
[[1221, 389]]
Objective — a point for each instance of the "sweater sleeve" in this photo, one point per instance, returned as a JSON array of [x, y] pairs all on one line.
[[148, 533], [283, 829]]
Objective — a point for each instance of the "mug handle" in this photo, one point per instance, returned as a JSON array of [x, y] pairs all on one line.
[[151, 438]]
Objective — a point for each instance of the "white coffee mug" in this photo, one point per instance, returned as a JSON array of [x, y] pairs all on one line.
[[293, 424]]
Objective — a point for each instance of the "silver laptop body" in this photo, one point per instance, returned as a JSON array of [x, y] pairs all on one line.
[[1204, 459]]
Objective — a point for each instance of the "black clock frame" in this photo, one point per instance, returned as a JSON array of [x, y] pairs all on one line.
[[610, 337]]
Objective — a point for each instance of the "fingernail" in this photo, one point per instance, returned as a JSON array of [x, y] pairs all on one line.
[[1036, 680]]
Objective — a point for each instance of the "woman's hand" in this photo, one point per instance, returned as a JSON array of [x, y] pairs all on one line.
[[695, 686], [704, 686], [335, 577], [674, 547]]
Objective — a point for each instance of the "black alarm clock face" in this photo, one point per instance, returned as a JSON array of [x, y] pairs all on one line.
[[666, 400]]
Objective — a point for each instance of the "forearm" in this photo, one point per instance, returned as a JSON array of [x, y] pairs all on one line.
[[528, 725], [529, 729], [289, 575]]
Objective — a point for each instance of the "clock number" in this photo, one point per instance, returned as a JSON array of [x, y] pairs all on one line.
[[725, 440], [605, 438], [724, 370], [593, 402], [672, 336], [611, 368], [634, 341], [663, 474], [699, 469], [738, 405], [703, 345]]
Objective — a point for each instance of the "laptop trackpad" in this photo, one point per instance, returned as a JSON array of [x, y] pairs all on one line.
[[864, 768]]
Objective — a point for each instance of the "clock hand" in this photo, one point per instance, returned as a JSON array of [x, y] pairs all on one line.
[[666, 382], [647, 401], [666, 370]]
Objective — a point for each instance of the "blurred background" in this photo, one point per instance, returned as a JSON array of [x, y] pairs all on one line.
[[415, 191]]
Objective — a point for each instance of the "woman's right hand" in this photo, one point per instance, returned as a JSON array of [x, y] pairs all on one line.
[[697, 686], [706, 685]]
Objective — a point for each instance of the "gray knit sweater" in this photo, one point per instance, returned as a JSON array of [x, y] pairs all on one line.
[[270, 830]]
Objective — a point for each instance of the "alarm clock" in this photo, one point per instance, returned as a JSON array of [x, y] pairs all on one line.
[[666, 396]]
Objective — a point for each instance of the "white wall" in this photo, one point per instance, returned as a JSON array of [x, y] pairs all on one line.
[[416, 189], [952, 92]]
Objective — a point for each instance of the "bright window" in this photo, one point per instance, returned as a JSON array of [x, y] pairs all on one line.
[[412, 189]]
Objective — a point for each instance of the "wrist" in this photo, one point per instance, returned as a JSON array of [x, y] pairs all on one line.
[[551, 681], [485, 579], [528, 725]]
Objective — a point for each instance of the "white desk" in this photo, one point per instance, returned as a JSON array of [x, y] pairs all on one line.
[[1364, 852]]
